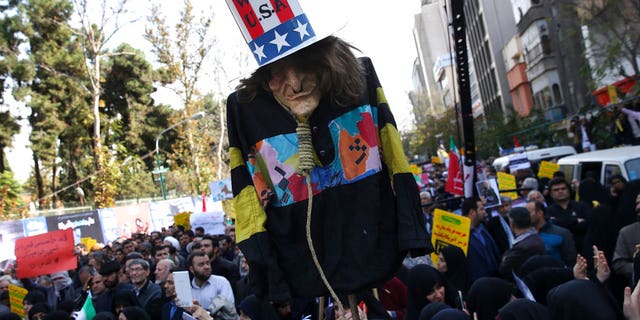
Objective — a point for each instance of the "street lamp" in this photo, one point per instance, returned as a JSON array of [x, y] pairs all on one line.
[[159, 170]]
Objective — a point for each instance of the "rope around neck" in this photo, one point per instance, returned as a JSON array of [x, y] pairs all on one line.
[[305, 165]]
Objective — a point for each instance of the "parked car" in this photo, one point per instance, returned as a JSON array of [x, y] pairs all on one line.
[[535, 156], [604, 163]]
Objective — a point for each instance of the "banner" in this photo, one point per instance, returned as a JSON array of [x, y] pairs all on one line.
[[162, 212], [518, 162], [34, 226], [507, 182], [221, 190], [547, 169], [449, 230], [45, 253], [123, 222], [16, 296], [84, 225], [9, 232], [211, 222]]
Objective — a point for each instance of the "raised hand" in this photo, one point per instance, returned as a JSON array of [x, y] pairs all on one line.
[[631, 304], [603, 272], [580, 268]]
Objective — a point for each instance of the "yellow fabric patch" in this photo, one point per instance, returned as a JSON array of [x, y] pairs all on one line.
[[392, 150], [250, 217], [381, 96], [235, 158]]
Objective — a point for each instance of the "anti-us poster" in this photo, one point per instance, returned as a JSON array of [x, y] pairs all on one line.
[[122, 222], [45, 253], [449, 229], [84, 225]]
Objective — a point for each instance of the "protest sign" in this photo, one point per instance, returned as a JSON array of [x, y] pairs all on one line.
[[518, 162], [488, 189], [449, 229], [182, 219], [211, 222], [88, 243], [221, 190], [547, 169], [45, 253], [507, 182], [16, 297]]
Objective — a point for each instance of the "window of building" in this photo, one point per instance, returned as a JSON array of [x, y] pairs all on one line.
[[557, 95]]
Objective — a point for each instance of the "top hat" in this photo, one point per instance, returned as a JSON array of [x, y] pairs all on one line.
[[274, 29]]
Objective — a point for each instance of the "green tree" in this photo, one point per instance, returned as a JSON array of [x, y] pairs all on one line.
[[53, 91], [182, 56], [10, 128], [11, 197], [614, 34]]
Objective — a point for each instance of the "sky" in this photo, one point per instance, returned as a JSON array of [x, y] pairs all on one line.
[[381, 30]]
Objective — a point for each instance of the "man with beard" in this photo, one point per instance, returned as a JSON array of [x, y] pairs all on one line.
[[627, 246], [219, 265], [109, 273], [205, 287]]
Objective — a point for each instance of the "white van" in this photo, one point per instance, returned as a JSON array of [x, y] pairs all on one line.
[[604, 163], [536, 155]]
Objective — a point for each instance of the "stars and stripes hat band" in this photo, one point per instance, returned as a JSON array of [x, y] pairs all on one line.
[[273, 29]]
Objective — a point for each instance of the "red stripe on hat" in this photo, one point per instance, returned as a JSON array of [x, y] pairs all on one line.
[[249, 18], [283, 9]]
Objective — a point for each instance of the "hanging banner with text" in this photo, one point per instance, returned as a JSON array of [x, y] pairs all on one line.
[[45, 253], [85, 224]]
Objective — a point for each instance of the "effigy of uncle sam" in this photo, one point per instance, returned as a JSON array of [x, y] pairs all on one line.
[[324, 197]]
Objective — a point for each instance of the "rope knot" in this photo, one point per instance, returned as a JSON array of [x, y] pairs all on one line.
[[305, 149]]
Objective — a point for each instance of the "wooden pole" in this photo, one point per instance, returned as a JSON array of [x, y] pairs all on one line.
[[353, 305], [321, 308]]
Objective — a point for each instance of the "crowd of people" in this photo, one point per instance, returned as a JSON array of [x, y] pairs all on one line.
[[560, 250]]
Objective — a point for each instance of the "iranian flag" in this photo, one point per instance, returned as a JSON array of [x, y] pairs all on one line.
[[454, 176], [87, 312]]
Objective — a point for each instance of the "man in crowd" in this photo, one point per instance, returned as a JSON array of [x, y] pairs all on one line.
[[160, 252], [219, 265], [568, 213], [162, 270], [109, 272], [483, 252], [205, 287], [627, 246], [498, 226], [526, 244], [558, 241], [145, 290]]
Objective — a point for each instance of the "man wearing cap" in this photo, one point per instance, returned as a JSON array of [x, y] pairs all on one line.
[[324, 195], [109, 272], [527, 242]]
